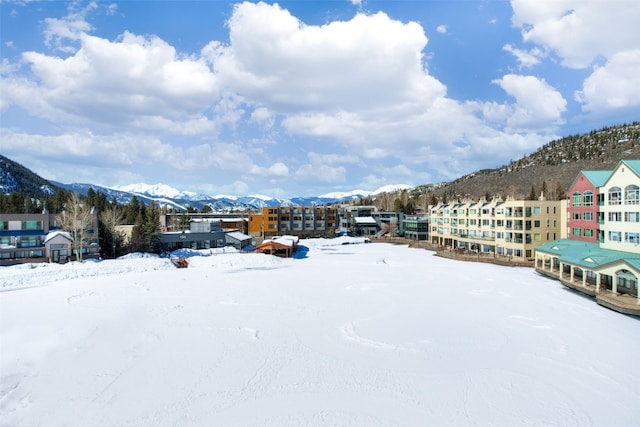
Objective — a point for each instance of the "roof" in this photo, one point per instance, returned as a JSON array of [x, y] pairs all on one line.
[[279, 244], [588, 254], [364, 220], [597, 178], [54, 234], [238, 235], [633, 164]]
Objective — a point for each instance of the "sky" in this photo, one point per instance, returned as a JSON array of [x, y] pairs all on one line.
[[373, 335], [305, 98]]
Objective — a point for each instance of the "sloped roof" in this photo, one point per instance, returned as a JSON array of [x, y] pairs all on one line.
[[634, 165], [54, 234], [587, 254], [597, 178], [238, 235]]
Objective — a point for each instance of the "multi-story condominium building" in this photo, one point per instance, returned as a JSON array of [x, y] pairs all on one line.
[[301, 221], [583, 220], [37, 238], [503, 227], [619, 204], [607, 268]]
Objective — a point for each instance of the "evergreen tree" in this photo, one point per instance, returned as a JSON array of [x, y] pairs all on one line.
[[151, 229], [137, 234], [111, 241], [532, 193]]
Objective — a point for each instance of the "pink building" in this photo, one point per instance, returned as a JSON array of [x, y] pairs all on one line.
[[582, 217]]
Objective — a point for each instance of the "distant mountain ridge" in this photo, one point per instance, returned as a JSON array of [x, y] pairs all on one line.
[[181, 200]]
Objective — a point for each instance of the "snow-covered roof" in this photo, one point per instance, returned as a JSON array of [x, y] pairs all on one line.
[[365, 220], [54, 234], [238, 235]]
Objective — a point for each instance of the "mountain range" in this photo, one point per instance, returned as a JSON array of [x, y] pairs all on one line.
[[15, 177], [165, 195]]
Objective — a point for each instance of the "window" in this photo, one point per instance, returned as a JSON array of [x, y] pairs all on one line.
[[632, 237], [536, 223], [587, 198], [31, 225], [631, 195], [536, 210], [576, 231], [575, 216], [615, 216], [587, 216], [588, 232], [615, 197], [632, 216], [614, 236], [537, 237], [575, 200]]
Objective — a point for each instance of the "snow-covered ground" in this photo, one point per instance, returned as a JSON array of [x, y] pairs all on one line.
[[344, 334]]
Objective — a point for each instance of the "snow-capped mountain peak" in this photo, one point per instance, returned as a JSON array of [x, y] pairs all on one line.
[[159, 190]]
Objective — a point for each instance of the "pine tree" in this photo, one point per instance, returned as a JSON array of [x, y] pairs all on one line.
[[151, 229]]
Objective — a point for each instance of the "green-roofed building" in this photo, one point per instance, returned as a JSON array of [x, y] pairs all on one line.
[[601, 257]]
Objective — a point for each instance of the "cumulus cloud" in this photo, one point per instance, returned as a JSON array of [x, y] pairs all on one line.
[[152, 87], [442, 29], [538, 106], [280, 62], [613, 85], [579, 31]]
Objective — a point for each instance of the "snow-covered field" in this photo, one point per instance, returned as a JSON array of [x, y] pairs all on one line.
[[349, 335]]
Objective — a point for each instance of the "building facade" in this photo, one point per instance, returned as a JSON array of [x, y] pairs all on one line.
[[620, 208], [511, 227], [608, 268], [301, 221], [583, 221], [28, 238]]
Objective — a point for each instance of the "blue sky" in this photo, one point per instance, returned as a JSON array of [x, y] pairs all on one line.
[[304, 98]]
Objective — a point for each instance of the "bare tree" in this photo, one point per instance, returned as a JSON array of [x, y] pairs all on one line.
[[77, 219]]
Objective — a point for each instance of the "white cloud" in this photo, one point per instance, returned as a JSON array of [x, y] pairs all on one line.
[[538, 106], [613, 85], [321, 173], [579, 31], [442, 29], [152, 87], [526, 59], [277, 61]]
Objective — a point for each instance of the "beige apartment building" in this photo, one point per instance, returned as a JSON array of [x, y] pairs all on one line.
[[509, 227]]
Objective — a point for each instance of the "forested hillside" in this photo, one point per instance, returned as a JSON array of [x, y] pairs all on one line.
[[551, 169]]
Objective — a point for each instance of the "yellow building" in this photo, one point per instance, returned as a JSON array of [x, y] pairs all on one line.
[[511, 227]]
